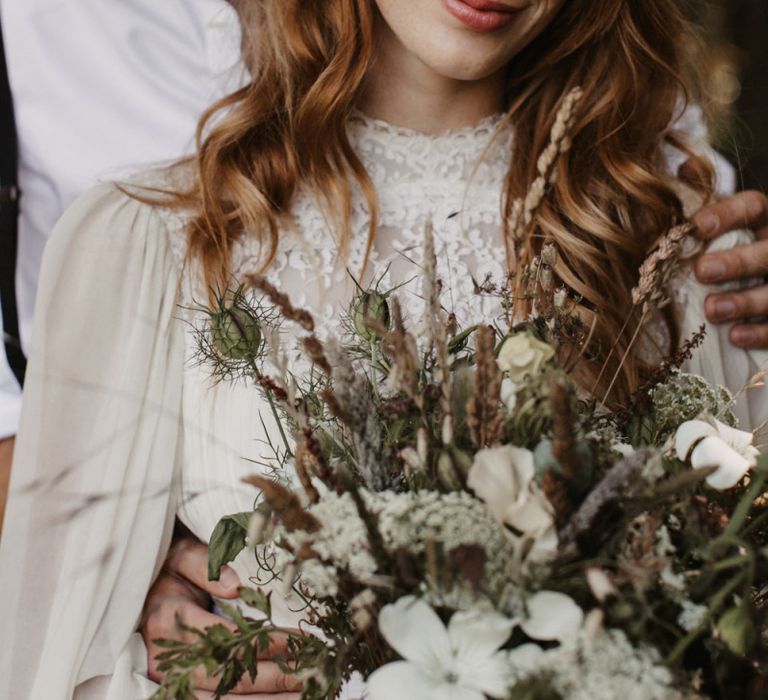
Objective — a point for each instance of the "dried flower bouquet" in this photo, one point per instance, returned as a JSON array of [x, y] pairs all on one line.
[[454, 515]]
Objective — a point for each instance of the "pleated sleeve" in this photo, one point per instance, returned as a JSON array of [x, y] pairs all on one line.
[[94, 485]]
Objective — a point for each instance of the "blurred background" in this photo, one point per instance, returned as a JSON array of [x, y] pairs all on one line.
[[736, 70]]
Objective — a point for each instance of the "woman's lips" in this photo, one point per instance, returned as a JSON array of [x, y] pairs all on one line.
[[482, 15]]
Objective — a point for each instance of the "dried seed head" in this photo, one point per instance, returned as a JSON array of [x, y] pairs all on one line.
[[547, 279], [447, 473], [560, 298], [549, 255], [362, 619]]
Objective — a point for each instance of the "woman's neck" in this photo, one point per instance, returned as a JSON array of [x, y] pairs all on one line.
[[404, 91]]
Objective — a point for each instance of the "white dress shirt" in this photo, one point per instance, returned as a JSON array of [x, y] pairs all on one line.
[[102, 89]]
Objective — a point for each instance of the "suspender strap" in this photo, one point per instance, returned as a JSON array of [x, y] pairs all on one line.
[[9, 223]]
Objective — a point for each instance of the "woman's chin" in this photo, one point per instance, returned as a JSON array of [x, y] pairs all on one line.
[[469, 59]]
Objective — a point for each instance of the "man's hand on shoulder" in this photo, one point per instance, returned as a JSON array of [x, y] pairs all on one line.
[[746, 309]]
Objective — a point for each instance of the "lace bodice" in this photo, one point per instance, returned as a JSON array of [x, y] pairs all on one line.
[[455, 180]]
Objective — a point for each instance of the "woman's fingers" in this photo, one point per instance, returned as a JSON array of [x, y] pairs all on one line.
[[188, 559], [741, 262], [171, 618], [743, 210], [270, 680], [172, 608], [205, 695], [737, 306]]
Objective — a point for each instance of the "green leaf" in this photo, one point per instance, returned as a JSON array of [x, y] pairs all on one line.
[[227, 541], [459, 342], [256, 599], [737, 629]]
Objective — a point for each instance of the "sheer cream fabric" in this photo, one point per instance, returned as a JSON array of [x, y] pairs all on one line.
[[122, 430]]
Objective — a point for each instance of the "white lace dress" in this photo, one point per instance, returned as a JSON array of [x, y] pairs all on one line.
[[122, 431]]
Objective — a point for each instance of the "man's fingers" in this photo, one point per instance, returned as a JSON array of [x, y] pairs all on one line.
[[736, 306], [743, 210], [741, 262], [750, 336], [188, 558]]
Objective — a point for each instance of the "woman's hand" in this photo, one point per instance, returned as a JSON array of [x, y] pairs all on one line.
[[183, 590], [744, 210]]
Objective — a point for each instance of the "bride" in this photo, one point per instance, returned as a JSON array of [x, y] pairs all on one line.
[[362, 121]]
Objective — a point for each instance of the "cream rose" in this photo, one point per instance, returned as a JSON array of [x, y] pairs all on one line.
[[522, 355]]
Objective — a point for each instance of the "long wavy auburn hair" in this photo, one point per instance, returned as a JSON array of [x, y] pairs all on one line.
[[612, 197]]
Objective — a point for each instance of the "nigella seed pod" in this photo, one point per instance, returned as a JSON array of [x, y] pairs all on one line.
[[236, 334], [370, 305]]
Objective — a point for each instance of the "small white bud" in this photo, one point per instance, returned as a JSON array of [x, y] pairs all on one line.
[[600, 584], [257, 528]]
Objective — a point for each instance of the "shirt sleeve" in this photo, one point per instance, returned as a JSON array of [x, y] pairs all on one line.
[[692, 126], [10, 400], [93, 491], [718, 359]]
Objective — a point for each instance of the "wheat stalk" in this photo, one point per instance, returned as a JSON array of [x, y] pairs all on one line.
[[524, 210]]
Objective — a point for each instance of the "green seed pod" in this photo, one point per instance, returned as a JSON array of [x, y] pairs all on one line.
[[737, 630], [236, 334], [369, 305]]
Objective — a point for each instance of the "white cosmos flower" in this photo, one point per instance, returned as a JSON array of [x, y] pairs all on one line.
[[710, 443], [460, 662], [503, 477]]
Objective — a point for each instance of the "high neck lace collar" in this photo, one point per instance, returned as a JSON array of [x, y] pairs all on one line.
[[455, 155], [485, 126]]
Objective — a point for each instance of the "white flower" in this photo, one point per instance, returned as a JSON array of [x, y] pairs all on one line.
[[623, 448], [509, 394], [600, 584], [691, 615], [552, 617], [710, 443], [522, 355], [462, 662], [503, 477]]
